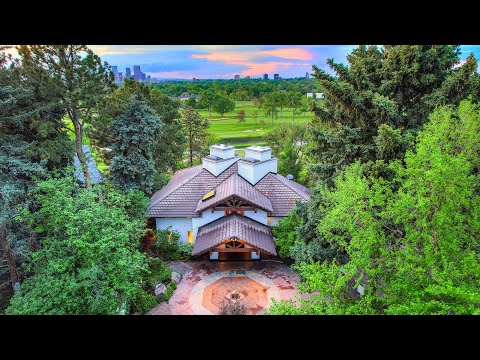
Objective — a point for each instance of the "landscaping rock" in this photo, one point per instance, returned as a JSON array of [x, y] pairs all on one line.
[[176, 277], [160, 290]]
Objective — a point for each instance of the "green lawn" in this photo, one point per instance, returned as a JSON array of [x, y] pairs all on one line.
[[250, 132]]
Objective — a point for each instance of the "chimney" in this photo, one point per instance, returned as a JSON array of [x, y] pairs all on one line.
[[257, 163], [221, 157]]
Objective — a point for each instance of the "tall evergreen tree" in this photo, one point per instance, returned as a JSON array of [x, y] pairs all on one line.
[[134, 134], [75, 75], [170, 141], [195, 128], [398, 86]]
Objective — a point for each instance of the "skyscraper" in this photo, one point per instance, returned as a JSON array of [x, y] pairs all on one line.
[[149, 78], [276, 77], [119, 77], [237, 77], [128, 73], [143, 77], [136, 72], [265, 76], [307, 75], [115, 71]]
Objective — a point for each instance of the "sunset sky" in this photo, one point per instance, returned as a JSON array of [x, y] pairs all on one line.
[[224, 61]]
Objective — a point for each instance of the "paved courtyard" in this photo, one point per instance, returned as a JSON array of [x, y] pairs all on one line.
[[207, 285]]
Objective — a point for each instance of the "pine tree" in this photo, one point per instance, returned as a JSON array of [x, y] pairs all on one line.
[[398, 86], [196, 129], [75, 76], [134, 132]]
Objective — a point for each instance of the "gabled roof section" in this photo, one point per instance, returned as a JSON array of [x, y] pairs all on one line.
[[96, 176], [179, 198], [236, 186], [235, 226], [178, 179], [283, 193]]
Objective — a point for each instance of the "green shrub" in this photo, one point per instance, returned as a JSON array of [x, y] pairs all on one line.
[[143, 302], [286, 234], [170, 289], [169, 247]]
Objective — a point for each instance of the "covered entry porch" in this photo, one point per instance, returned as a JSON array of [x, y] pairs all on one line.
[[234, 237]]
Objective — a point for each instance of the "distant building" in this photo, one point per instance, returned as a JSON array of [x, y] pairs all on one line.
[[136, 72], [119, 77], [317, 95], [282, 91], [276, 77], [143, 77], [128, 73], [237, 77], [265, 76], [247, 77], [115, 71], [149, 78], [307, 75]]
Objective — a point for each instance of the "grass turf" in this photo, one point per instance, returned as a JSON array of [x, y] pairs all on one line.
[[227, 129]]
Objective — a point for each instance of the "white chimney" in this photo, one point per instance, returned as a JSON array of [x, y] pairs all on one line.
[[221, 157], [257, 163]]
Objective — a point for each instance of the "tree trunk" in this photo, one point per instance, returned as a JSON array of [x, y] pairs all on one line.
[[78, 145], [12, 268]]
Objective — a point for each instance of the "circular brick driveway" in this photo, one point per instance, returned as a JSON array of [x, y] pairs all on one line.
[[206, 285]]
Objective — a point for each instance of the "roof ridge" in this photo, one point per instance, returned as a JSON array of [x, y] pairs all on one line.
[[281, 177]]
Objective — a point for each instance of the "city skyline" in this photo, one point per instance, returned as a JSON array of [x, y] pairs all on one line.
[[226, 61]]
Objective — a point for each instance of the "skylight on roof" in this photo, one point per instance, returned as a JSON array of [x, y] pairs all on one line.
[[208, 195]]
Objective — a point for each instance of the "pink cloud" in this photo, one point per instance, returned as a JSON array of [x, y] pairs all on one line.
[[289, 53], [255, 68], [227, 57]]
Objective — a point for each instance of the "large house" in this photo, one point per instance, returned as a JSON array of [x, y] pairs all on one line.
[[226, 206]]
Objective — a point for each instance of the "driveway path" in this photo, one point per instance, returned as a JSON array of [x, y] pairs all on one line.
[[207, 285]]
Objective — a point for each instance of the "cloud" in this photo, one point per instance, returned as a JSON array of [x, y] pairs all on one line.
[[289, 53], [255, 63]]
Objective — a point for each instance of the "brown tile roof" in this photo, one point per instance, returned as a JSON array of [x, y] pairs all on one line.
[[236, 186], [243, 228], [282, 192], [183, 192], [181, 196]]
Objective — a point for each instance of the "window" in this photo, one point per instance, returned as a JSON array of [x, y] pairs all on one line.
[[190, 237]]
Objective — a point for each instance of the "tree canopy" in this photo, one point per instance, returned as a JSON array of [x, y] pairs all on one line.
[[383, 90], [411, 243], [89, 261]]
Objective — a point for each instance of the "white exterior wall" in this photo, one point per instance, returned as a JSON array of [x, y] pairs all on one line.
[[273, 220], [182, 225], [216, 167], [222, 152], [260, 216], [207, 217], [262, 153], [254, 172]]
